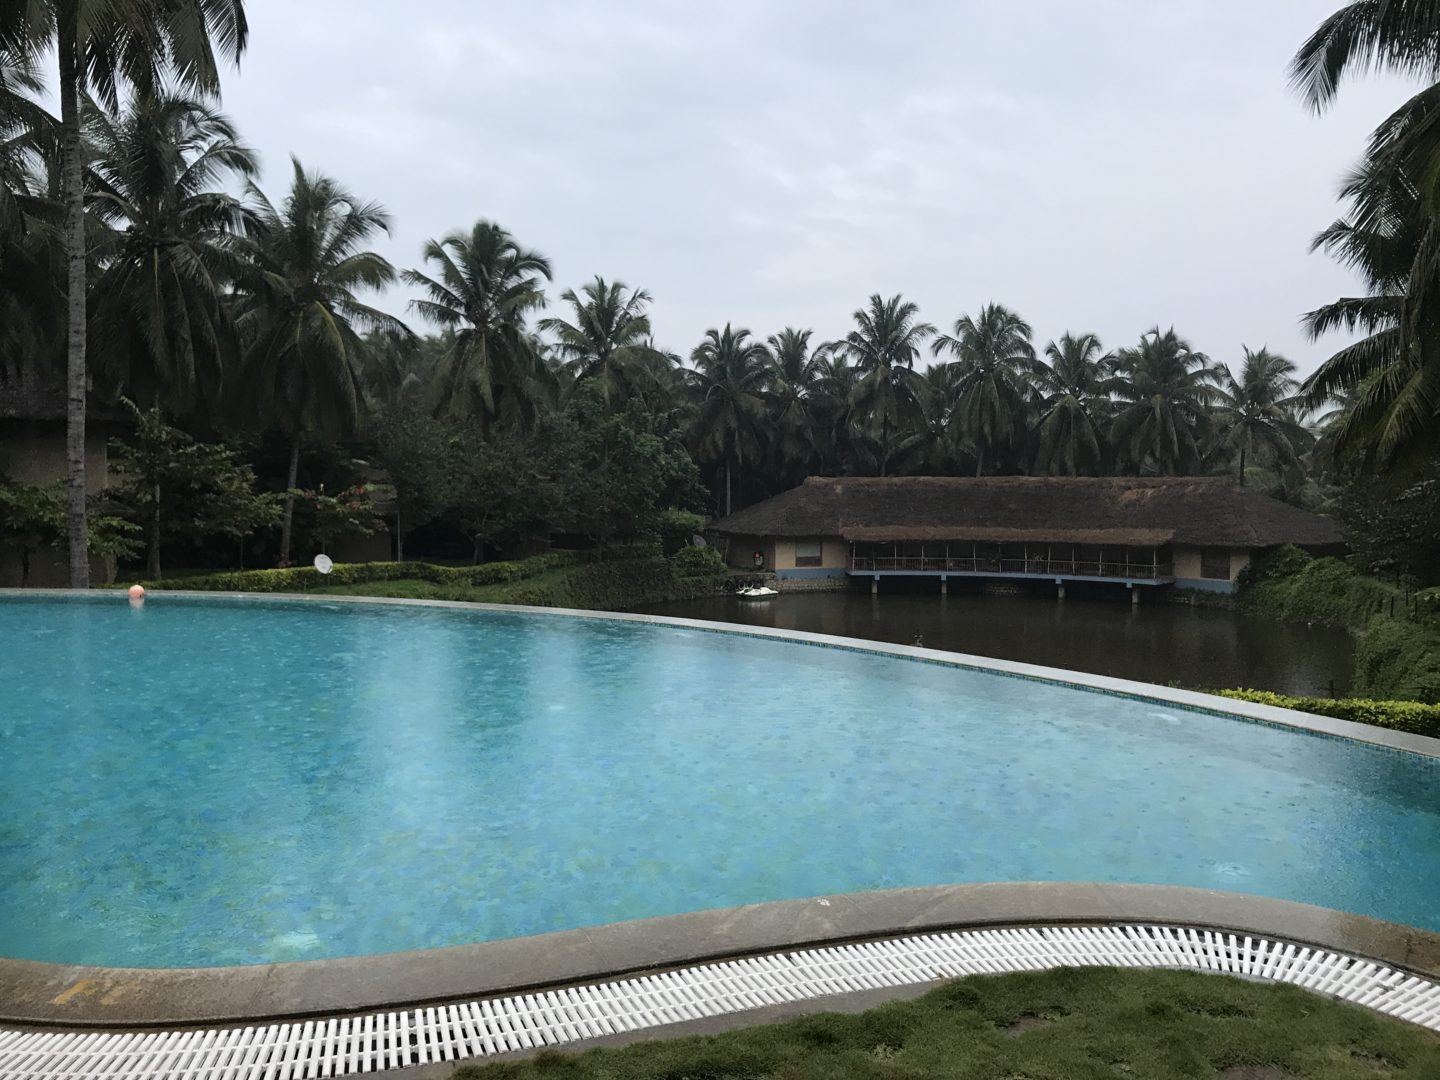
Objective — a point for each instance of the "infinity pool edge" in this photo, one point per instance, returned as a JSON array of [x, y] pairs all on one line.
[[1189, 700]]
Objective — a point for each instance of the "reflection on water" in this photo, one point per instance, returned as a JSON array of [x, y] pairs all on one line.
[[1159, 643]]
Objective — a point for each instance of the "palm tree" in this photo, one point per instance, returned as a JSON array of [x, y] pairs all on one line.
[[930, 447], [1075, 388], [883, 347], [164, 336], [1393, 376], [485, 287], [1258, 410], [299, 310], [100, 44], [609, 341], [1165, 389], [730, 372], [835, 433], [994, 357], [791, 372]]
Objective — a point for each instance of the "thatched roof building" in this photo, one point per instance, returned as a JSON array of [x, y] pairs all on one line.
[[1122, 510], [1178, 529]]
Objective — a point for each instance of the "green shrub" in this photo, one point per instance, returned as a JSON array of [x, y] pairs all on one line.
[[1292, 585], [1396, 658], [612, 585], [676, 527], [698, 562], [1412, 716]]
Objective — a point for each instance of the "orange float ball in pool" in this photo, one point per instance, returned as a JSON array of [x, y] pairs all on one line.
[[137, 592]]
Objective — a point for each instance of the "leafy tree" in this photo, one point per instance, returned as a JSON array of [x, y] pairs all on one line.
[[100, 44], [993, 356], [1257, 411], [31, 518], [325, 520], [1075, 388], [415, 450], [883, 347], [299, 310], [504, 488], [163, 334], [1165, 389], [485, 287], [609, 341], [730, 372], [176, 486], [619, 481]]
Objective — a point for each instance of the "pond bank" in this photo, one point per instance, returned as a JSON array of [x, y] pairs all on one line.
[[1201, 647]]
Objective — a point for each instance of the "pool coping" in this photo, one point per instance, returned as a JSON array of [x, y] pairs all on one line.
[[34, 992]]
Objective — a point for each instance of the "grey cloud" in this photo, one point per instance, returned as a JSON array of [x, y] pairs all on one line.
[[1101, 166]]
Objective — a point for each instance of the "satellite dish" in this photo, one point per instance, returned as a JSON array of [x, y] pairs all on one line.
[[697, 540], [323, 564]]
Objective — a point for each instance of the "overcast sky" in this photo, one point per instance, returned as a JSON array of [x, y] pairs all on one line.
[[1101, 166]]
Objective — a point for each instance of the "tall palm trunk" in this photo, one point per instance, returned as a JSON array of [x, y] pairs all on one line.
[[1242, 464], [152, 569], [980, 459], [289, 501], [73, 199], [728, 506]]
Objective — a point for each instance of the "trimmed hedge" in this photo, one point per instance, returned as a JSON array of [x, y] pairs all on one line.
[[1411, 716], [307, 578], [605, 586]]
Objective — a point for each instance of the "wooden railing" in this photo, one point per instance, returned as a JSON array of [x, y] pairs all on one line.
[[1036, 566]]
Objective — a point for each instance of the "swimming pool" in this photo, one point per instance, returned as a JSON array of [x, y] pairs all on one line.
[[208, 782]]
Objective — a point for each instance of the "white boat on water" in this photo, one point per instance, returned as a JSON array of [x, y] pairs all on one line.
[[756, 592]]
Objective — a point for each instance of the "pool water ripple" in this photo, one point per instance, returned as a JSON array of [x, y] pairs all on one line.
[[195, 784]]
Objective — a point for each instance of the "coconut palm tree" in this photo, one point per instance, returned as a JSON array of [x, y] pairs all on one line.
[[730, 374], [994, 358], [1258, 411], [485, 287], [163, 335], [1075, 389], [609, 341], [883, 347], [100, 45], [1393, 376], [1165, 390], [836, 438], [930, 446], [791, 372], [300, 317]]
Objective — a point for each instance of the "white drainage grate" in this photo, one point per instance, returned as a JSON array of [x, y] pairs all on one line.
[[341, 1046]]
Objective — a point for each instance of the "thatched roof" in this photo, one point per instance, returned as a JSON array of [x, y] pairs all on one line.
[[1122, 510]]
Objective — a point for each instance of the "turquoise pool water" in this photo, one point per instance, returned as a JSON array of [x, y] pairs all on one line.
[[203, 783]]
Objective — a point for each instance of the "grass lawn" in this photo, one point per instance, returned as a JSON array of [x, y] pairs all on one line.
[[1068, 1024]]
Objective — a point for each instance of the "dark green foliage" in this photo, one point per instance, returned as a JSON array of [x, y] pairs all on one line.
[[675, 528], [1078, 1024], [1412, 716], [698, 562], [1394, 531], [1292, 585], [1396, 658]]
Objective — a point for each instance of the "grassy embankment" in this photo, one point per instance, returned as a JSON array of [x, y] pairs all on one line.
[[1068, 1024], [1397, 650], [625, 578]]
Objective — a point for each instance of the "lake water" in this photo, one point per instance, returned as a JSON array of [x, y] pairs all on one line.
[[1204, 648]]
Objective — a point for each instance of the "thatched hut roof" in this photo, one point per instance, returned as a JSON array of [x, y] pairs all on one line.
[[1121, 510]]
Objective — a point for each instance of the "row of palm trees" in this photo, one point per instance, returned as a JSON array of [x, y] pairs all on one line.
[[233, 311]]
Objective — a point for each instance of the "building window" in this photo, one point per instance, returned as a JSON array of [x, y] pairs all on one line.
[[808, 553], [1215, 563]]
